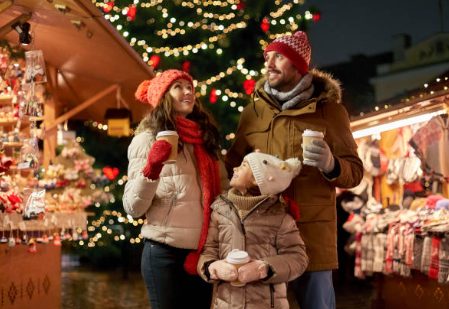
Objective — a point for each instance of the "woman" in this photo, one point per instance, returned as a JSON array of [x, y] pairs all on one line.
[[175, 198]]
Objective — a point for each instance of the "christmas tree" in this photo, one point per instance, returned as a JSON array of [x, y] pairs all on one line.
[[220, 43]]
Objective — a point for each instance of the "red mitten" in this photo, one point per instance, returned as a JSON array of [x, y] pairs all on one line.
[[159, 153]]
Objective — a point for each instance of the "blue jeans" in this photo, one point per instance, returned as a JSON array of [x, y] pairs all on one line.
[[314, 290], [168, 285]]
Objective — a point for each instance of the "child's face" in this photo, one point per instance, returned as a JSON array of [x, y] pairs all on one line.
[[243, 178]]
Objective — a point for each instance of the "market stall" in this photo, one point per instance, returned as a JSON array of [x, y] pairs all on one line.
[[400, 229], [83, 68]]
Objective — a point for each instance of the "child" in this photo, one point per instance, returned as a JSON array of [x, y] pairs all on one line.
[[252, 217]]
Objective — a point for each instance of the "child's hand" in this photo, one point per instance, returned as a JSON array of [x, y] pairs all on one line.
[[222, 270], [253, 271]]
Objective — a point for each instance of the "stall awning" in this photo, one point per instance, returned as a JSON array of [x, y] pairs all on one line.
[[87, 52]]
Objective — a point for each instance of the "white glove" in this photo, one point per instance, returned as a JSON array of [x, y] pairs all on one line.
[[222, 270], [253, 271], [319, 155]]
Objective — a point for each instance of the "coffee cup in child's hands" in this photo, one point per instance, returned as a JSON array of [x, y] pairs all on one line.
[[237, 258]]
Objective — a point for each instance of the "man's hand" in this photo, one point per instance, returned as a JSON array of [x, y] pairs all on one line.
[[253, 271], [319, 155], [222, 270]]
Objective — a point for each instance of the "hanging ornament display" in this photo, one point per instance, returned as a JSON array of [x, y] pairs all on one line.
[[154, 61], [186, 66], [213, 96], [249, 85], [35, 67], [131, 14], [108, 6], [265, 24]]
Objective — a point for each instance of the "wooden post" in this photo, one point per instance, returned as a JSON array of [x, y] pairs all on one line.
[[50, 114]]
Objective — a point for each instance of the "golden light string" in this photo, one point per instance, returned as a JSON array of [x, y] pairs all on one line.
[[281, 10], [177, 50], [212, 27], [194, 3]]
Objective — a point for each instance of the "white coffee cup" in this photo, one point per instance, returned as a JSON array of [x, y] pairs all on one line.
[[172, 138], [237, 258], [308, 136]]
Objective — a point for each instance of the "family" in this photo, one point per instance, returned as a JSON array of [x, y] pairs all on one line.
[[211, 242]]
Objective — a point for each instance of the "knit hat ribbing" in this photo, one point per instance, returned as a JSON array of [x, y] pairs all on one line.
[[272, 175], [295, 47], [151, 91]]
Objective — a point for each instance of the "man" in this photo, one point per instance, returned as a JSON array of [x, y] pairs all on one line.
[[289, 100]]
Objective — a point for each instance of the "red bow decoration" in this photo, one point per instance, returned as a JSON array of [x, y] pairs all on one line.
[[265, 24], [110, 172], [108, 6], [154, 61], [131, 14], [213, 96], [248, 85]]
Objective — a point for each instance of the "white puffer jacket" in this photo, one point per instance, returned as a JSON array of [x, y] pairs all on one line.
[[173, 204]]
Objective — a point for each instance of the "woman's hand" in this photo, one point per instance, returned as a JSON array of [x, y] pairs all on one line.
[[159, 153]]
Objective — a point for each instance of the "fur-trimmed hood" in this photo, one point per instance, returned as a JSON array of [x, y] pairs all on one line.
[[326, 87]]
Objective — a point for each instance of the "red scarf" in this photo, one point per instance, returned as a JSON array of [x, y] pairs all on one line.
[[190, 133]]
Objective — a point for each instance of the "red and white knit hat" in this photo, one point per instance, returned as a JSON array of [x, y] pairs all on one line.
[[151, 91], [295, 47]]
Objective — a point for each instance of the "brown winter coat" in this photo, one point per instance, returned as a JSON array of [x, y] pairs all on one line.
[[264, 126], [267, 233]]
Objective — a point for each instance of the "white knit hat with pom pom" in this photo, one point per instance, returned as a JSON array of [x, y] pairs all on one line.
[[272, 175]]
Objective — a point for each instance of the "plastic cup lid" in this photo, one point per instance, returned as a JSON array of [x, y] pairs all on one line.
[[237, 256], [167, 133], [312, 133]]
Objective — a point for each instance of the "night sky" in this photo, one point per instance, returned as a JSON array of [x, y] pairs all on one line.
[[367, 27]]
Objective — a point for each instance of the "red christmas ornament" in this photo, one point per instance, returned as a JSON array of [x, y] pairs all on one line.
[[213, 96], [316, 16], [248, 85], [110, 172], [265, 24], [154, 61], [241, 5], [186, 66], [108, 6], [131, 14]]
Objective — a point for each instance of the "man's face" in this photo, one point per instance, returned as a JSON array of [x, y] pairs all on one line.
[[281, 73]]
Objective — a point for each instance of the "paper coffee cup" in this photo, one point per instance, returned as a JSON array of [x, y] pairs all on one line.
[[172, 138], [237, 258], [307, 139]]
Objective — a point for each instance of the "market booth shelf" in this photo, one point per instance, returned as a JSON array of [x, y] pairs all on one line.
[[90, 68], [403, 243]]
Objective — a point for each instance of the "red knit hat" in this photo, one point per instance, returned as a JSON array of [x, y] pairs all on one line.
[[151, 91], [295, 47]]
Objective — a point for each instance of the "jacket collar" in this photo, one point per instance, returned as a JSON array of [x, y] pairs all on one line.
[[326, 89]]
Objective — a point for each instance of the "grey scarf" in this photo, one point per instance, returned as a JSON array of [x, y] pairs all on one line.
[[302, 91]]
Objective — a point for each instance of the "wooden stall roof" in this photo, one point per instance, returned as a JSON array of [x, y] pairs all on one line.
[[88, 53]]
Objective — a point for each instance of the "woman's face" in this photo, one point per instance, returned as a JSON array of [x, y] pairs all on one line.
[[183, 97]]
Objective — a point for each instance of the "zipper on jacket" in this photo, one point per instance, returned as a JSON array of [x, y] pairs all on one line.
[[272, 294], [172, 204]]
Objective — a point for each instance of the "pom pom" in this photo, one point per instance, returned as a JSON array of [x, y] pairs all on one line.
[[142, 91]]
